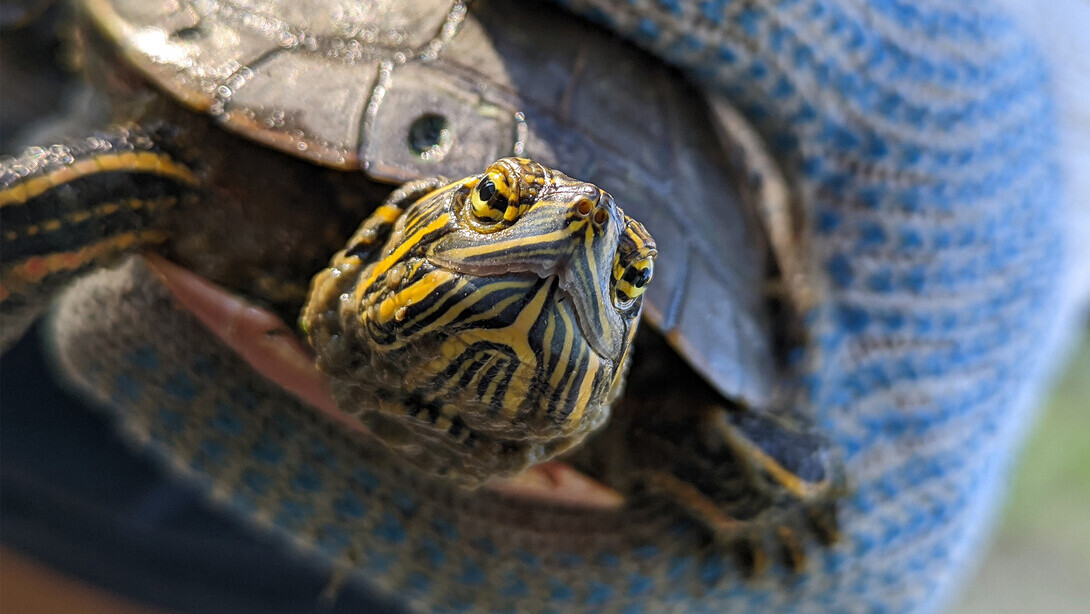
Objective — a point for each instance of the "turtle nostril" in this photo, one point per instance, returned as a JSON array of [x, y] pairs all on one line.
[[600, 216], [584, 206]]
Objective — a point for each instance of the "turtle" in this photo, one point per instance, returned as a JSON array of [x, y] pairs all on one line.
[[255, 137]]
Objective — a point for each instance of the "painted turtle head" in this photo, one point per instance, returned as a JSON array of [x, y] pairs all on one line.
[[491, 329]]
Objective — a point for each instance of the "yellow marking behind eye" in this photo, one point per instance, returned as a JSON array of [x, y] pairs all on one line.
[[142, 162], [399, 252], [416, 293], [433, 301]]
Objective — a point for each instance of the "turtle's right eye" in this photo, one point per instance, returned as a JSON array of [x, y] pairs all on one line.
[[634, 264], [492, 199], [631, 281]]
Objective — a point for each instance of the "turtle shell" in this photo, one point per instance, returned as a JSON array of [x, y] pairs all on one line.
[[403, 90]]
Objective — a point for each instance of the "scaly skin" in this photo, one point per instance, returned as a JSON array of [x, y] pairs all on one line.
[[485, 327], [918, 139]]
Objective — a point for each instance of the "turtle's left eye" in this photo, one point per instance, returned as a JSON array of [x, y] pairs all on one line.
[[632, 280], [494, 199]]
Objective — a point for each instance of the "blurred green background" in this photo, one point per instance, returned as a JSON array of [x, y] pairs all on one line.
[[1040, 559]]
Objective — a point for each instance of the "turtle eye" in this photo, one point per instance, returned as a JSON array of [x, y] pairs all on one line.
[[486, 190], [493, 200], [632, 280]]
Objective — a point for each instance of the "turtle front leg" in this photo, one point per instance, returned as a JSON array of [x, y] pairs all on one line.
[[759, 486], [70, 207], [759, 483], [360, 250]]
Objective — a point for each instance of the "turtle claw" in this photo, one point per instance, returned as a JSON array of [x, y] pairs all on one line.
[[740, 538], [792, 552], [763, 488], [776, 535], [822, 519], [755, 544]]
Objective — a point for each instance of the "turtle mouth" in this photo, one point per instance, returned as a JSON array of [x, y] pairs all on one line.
[[586, 310], [582, 314], [274, 350]]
